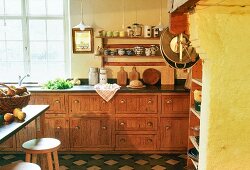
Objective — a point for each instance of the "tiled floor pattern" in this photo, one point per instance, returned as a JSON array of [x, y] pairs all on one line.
[[112, 161]]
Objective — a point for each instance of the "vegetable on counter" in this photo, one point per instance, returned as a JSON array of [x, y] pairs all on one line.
[[58, 84]]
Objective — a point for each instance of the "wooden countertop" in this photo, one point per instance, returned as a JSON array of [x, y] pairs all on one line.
[[32, 112]]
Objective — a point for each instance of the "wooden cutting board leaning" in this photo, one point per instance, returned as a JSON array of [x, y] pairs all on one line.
[[122, 77], [134, 75]]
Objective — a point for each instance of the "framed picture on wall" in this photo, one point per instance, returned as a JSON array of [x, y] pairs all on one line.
[[83, 41]]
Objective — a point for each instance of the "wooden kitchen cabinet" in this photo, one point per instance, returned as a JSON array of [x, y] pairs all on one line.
[[136, 142], [135, 104], [175, 104], [89, 103], [25, 134], [136, 123], [56, 101], [9, 145], [87, 133], [58, 127], [174, 133]]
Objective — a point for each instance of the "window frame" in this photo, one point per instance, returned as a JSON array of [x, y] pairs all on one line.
[[25, 34]]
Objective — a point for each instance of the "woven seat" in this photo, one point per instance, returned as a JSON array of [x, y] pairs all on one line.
[[46, 146]]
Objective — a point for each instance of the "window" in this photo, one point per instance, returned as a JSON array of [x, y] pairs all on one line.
[[33, 39]]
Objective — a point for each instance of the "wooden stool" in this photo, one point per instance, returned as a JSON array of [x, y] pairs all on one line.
[[21, 166], [42, 146]]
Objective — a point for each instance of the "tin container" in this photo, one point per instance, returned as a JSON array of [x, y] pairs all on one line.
[[103, 76], [93, 76]]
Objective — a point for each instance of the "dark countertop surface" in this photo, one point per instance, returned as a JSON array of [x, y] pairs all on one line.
[[147, 89], [32, 112]]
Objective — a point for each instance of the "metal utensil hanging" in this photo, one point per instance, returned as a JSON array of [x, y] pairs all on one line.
[[177, 51]]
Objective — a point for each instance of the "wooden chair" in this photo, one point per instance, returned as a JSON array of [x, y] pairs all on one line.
[[21, 166], [46, 146]]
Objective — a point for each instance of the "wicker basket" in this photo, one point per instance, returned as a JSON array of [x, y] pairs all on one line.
[[9, 103]]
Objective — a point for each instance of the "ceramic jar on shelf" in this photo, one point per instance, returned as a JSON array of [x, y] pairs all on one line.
[[137, 30]]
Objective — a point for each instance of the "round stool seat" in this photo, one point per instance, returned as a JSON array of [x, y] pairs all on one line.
[[21, 166], [42, 145]]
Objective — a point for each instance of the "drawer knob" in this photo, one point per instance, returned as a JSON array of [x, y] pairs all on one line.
[[77, 127], [150, 140], [150, 101], [58, 127], [122, 140], [167, 127], [104, 127], [122, 101], [57, 101], [76, 101], [103, 102], [122, 123], [169, 101], [150, 124]]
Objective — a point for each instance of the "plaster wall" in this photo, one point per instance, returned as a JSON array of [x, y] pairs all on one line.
[[108, 15], [221, 35]]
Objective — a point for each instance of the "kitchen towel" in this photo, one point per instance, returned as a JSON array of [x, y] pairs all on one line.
[[106, 91]]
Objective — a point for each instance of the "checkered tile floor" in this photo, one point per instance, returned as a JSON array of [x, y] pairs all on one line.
[[112, 161]]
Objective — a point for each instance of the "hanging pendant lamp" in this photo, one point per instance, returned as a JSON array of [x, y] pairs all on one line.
[[160, 26], [81, 25]]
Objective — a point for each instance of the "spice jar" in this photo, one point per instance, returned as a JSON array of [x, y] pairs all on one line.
[[129, 31], [93, 76], [103, 76], [137, 29]]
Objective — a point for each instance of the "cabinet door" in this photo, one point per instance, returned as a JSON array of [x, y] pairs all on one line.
[[58, 128], [175, 104], [9, 145], [136, 103], [136, 123], [56, 102], [90, 132], [136, 142], [25, 134], [174, 133], [89, 104]]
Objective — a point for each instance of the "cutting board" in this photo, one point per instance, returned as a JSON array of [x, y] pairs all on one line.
[[151, 76], [134, 75], [122, 77], [167, 75]]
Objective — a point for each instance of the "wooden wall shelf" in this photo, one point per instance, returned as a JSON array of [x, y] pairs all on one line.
[[130, 42], [151, 38], [194, 115], [134, 64], [193, 140]]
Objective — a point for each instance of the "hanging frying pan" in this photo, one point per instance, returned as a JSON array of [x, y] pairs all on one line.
[[177, 50]]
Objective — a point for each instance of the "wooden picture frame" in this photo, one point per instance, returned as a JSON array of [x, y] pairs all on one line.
[[83, 41]]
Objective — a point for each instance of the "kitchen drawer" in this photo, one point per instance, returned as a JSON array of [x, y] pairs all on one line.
[[89, 104], [133, 104], [136, 124], [56, 102], [175, 104], [136, 142]]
